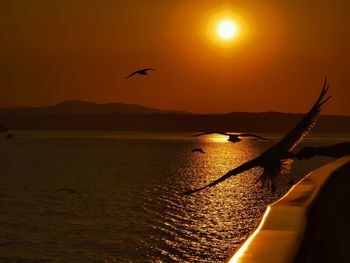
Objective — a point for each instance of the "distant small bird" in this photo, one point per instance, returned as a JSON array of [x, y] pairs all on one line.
[[140, 72], [277, 159], [198, 150], [233, 137], [70, 191], [9, 136]]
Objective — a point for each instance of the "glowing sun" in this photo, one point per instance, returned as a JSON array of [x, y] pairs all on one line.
[[227, 29]]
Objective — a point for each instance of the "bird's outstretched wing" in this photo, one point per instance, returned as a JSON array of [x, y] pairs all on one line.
[[240, 169], [253, 135], [141, 71], [296, 135], [211, 132], [132, 74]]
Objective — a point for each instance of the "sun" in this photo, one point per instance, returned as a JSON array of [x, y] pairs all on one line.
[[227, 29]]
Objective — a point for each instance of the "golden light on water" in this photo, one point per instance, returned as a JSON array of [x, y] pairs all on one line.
[[218, 138]]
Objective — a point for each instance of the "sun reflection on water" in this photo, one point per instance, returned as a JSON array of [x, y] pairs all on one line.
[[217, 138], [204, 226], [208, 225], [234, 204]]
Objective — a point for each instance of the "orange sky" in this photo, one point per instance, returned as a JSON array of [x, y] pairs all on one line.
[[58, 50]]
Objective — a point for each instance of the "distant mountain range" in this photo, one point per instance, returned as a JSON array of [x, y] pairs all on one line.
[[82, 115], [85, 107]]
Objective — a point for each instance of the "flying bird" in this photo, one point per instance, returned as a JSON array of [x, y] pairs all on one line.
[[198, 150], [70, 191], [233, 137], [277, 159], [140, 72]]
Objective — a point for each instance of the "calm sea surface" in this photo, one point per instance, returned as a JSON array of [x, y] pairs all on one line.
[[130, 208]]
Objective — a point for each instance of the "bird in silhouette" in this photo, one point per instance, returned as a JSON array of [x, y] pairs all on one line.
[[277, 159], [70, 191], [198, 150], [233, 137], [140, 72]]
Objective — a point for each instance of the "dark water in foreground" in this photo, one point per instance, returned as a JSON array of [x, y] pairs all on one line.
[[131, 209]]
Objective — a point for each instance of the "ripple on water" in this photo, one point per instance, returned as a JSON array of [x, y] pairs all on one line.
[[134, 210]]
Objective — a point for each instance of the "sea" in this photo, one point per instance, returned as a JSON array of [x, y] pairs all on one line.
[[79, 196]]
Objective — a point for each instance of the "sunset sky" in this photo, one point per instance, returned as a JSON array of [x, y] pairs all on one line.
[[57, 50]]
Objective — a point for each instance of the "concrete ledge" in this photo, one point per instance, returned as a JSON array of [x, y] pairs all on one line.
[[281, 231]]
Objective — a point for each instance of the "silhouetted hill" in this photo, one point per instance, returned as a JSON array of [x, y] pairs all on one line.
[[84, 107], [269, 122]]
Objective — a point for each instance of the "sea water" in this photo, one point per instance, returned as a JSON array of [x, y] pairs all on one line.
[[126, 204]]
